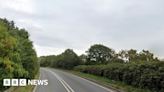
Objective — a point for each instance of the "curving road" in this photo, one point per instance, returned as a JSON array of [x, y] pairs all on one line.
[[59, 81]]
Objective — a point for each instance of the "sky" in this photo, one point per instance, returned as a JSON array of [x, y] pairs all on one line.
[[56, 25]]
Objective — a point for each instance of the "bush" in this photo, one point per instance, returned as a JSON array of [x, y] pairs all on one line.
[[116, 61], [148, 75]]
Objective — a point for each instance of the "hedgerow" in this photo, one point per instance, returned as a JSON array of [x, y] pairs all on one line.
[[149, 75]]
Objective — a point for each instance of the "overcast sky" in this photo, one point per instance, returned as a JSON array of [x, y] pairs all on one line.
[[55, 25]]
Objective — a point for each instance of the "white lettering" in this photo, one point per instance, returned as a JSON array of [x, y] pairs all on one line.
[[40, 82], [45, 82], [35, 82], [30, 82]]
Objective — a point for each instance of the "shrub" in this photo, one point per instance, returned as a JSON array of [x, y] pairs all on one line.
[[145, 74]]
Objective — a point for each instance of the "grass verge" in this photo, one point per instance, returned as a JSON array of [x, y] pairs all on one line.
[[115, 84], [28, 88]]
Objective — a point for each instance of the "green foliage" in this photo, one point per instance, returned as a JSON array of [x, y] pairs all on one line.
[[47, 60], [100, 53], [145, 56], [133, 56], [83, 58], [10, 25], [116, 61], [66, 60], [18, 59], [145, 74]]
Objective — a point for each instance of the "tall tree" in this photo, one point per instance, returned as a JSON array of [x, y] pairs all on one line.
[[71, 59], [67, 60], [22, 48], [10, 61], [10, 25], [145, 55], [132, 55], [123, 54], [83, 57], [100, 53]]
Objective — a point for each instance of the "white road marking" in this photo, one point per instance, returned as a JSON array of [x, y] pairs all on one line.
[[62, 81], [93, 83], [66, 84]]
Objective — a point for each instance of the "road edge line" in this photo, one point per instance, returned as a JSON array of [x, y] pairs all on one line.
[[98, 83], [62, 82], [94, 81]]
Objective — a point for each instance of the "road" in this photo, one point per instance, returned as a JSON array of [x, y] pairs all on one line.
[[59, 81]]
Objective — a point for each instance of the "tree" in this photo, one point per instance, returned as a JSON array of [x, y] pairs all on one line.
[[132, 55], [83, 57], [10, 25], [100, 53], [156, 59], [67, 60], [46, 60], [17, 47], [23, 33], [10, 61], [70, 59], [145, 55], [29, 58], [123, 54]]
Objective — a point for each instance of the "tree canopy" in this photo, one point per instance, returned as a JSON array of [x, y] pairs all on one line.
[[100, 53], [18, 59], [67, 60]]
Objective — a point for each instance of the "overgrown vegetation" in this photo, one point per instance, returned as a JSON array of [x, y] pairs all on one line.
[[149, 75], [18, 59], [140, 70]]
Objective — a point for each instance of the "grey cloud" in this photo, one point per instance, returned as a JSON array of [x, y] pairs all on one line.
[[119, 24]]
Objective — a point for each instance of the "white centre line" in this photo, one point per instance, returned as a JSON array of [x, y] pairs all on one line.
[[62, 81], [66, 84], [93, 83]]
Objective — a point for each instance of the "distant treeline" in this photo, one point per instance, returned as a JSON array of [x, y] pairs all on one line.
[[140, 70], [96, 55], [18, 59], [66, 60]]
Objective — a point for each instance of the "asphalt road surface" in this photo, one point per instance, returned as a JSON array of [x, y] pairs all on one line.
[[59, 81]]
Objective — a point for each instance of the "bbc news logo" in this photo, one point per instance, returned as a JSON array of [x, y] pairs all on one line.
[[23, 82]]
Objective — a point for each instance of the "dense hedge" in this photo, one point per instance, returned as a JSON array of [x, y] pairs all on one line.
[[148, 75]]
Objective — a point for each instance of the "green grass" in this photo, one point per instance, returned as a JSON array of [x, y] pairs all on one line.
[[28, 88], [115, 84]]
